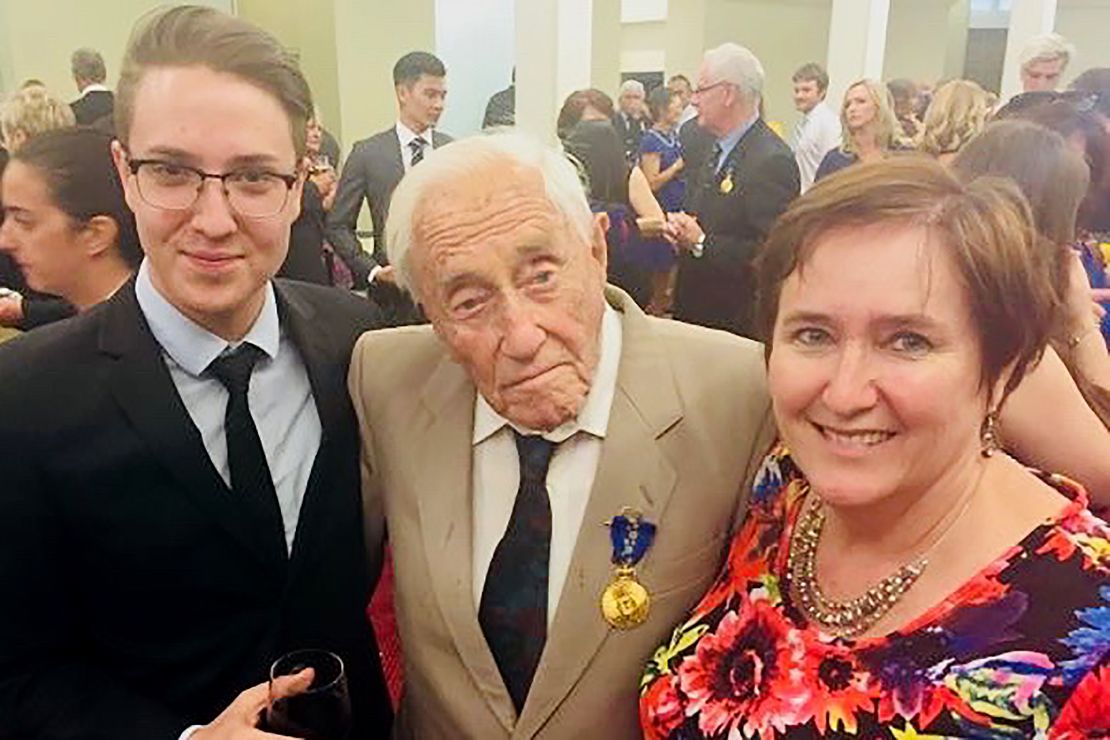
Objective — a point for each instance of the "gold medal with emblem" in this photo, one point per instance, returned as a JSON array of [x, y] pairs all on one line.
[[625, 603], [727, 184]]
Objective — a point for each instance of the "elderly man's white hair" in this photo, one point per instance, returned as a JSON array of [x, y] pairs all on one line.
[[631, 86], [463, 157], [736, 65], [1047, 47]]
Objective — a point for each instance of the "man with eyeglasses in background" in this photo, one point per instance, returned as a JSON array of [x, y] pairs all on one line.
[[179, 497], [733, 195]]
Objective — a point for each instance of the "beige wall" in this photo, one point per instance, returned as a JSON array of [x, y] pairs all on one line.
[[784, 34], [685, 41], [37, 37], [605, 63], [1085, 23], [369, 38], [916, 40]]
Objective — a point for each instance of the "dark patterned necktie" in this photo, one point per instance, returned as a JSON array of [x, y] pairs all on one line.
[[417, 146], [250, 475], [513, 612], [714, 158]]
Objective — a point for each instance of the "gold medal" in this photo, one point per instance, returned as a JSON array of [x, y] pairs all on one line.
[[726, 184], [625, 601]]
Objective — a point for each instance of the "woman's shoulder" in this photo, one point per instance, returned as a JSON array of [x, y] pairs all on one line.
[[652, 142]]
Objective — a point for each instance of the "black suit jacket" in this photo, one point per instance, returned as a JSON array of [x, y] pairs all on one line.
[[373, 170], [630, 131], [92, 106], [718, 288], [135, 599]]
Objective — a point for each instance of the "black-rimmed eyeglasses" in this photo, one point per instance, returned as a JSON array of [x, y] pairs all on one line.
[[251, 192]]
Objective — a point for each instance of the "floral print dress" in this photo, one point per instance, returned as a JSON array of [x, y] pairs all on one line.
[[1020, 650]]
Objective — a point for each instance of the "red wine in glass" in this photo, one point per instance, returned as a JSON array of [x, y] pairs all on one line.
[[323, 711]]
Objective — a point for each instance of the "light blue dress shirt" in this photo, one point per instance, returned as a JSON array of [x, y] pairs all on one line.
[[729, 141], [280, 395]]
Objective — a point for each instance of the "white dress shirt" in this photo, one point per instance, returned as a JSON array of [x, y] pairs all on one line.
[[815, 134], [406, 136], [570, 476], [280, 395]]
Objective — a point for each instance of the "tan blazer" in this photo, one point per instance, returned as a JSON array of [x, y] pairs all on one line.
[[689, 424]]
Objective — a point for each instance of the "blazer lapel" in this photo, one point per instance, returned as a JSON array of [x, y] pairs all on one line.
[[632, 472], [141, 385], [328, 381], [396, 159], [444, 501]]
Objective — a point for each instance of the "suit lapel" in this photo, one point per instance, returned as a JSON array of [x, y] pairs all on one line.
[[327, 379], [396, 160], [141, 385], [444, 500], [632, 472]]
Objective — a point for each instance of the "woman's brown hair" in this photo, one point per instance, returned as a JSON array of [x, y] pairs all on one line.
[[985, 227]]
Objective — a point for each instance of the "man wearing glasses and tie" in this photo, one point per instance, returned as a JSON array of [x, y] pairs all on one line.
[[179, 502], [747, 179], [377, 164]]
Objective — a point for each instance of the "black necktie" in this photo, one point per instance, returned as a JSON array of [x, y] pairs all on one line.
[[417, 146], [250, 475], [513, 612]]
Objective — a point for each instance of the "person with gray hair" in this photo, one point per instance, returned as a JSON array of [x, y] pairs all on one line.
[[549, 402], [630, 120], [731, 200], [96, 101], [1043, 61]]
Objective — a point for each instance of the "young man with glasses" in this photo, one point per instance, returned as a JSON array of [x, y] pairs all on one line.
[[179, 503]]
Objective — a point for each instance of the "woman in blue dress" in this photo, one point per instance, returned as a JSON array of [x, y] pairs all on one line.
[[662, 164]]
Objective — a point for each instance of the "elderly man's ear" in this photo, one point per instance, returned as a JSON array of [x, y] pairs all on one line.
[[599, 247]]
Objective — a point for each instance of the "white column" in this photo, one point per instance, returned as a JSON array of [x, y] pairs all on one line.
[[857, 43], [553, 57], [1028, 18]]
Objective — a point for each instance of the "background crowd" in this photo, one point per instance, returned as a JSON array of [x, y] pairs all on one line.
[[917, 267]]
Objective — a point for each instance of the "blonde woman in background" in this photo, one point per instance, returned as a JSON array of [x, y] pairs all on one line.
[[30, 111], [958, 112], [868, 125]]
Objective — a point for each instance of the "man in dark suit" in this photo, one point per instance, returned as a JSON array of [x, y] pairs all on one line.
[[747, 179], [377, 164], [629, 120], [96, 101], [179, 502]]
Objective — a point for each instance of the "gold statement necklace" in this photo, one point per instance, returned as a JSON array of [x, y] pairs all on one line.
[[852, 617]]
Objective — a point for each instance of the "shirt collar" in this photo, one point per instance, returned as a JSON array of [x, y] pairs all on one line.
[[190, 345], [594, 417], [406, 134], [729, 141], [95, 87]]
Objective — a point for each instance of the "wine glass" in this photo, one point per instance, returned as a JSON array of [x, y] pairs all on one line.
[[321, 712]]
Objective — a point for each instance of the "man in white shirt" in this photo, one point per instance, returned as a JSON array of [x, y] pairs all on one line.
[[539, 405], [378, 163], [680, 84], [818, 130], [179, 504]]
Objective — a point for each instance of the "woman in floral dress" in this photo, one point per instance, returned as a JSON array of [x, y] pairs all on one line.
[[897, 574]]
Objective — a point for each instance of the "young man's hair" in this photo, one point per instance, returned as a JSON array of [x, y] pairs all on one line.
[[812, 72], [412, 66], [87, 65], [194, 36]]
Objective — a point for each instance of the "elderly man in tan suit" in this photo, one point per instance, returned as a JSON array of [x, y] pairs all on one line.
[[538, 406]]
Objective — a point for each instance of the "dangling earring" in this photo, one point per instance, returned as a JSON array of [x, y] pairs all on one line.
[[988, 435]]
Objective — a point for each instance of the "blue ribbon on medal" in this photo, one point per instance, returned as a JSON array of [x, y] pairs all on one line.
[[625, 602]]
